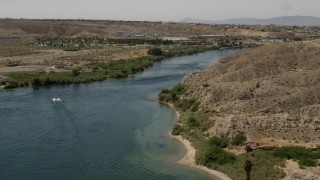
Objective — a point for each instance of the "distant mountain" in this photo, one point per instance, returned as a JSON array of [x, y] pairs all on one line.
[[247, 21], [190, 20], [284, 20], [295, 20]]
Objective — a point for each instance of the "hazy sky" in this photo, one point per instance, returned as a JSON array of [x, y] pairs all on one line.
[[165, 10]]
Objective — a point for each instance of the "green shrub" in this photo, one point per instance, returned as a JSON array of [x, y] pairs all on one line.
[[195, 107], [293, 152], [212, 156], [155, 52], [180, 88], [172, 95], [48, 81], [187, 104], [305, 157], [307, 162], [299, 153], [192, 122], [239, 139], [165, 97], [177, 129], [76, 72], [36, 82], [222, 142]]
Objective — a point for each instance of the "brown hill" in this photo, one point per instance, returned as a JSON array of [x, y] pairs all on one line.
[[25, 27], [272, 91]]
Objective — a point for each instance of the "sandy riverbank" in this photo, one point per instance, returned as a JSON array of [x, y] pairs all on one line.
[[189, 160], [189, 157]]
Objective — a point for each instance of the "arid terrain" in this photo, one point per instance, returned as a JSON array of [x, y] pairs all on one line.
[[30, 46], [16, 57], [271, 93], [117, 29], [23, 50]]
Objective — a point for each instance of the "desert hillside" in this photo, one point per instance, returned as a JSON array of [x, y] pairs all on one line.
[[116, 29], [268, 92]]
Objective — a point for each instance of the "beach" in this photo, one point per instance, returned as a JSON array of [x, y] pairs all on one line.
[[189, 157]]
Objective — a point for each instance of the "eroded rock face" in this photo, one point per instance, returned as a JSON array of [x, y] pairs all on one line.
[[303, 175], [273, 90]]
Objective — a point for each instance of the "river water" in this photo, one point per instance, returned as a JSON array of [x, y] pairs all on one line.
[[113, 129]]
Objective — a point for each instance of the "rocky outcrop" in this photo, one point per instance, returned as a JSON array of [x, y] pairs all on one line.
[[273, 90], [303, 175]]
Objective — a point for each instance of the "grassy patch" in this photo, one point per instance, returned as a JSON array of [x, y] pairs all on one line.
[[305, 157], [263, 166]]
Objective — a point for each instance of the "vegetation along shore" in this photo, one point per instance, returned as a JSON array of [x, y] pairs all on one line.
[[211, 104], [97, 71]]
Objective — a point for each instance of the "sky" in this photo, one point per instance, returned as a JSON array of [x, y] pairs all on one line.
[[156, 10]]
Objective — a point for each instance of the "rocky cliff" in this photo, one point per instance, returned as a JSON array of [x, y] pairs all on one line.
[[272, 91]]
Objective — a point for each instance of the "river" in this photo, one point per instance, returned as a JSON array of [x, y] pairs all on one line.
[[113, 129]]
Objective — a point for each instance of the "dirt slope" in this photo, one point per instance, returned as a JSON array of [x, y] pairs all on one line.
[[270, 91]]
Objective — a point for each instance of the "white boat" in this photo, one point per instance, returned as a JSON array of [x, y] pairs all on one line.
[[56, 100]]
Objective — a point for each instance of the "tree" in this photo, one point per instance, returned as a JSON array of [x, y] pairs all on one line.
[[247, 168], [76, 72], [36, 82], [248, 149], [155, 51]]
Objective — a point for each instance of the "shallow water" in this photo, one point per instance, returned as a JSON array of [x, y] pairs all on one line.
[[113, 129]]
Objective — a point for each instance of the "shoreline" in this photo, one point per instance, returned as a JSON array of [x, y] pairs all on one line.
[[188, 158], [124, 70]]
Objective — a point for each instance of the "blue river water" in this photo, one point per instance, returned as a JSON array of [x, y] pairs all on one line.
[[113, 129]]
